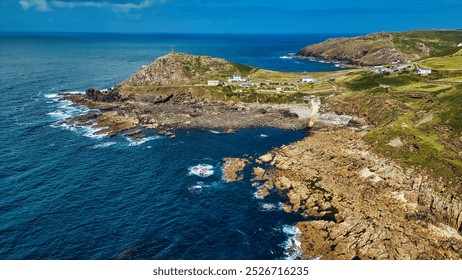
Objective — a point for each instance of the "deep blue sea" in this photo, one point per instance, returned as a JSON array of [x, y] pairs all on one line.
[[66, 194]]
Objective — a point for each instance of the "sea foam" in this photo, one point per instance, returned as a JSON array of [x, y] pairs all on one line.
[[140, 141], [292, 246], [51, 95], [268, 207], [201, 170], [198, 186], [103, 145]]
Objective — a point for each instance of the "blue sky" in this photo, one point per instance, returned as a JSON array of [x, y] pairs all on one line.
[[228, 16]]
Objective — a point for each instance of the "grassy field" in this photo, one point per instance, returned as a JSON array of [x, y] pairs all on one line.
[[424, 112], [422, 87], [452, 63], [454, 79], [314, 86], [262, 74]]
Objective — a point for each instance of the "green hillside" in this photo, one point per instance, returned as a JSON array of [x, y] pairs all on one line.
[[386, 47]]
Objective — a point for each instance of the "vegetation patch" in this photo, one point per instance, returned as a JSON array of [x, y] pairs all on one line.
[[367, 81], [453, 63], [439, 43]]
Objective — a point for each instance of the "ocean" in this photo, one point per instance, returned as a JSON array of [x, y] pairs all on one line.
[[67, 194]]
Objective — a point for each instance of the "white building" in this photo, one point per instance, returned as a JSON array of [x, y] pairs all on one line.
[[308, 80], [279, 89], [236, 78], [213, 83], [424, 71], [459, 45]]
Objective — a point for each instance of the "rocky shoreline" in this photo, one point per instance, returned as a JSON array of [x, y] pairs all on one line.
[[353, 203], [346, 64], [182, 110], [357, 205]]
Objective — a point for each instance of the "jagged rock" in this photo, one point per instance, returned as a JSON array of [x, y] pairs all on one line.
[[262, 192], [259, 173], [232, 168], [138, 136], [266, 158], [111, 95], [283, 183], [133, 132], [286, 208], [115, 123], [82, 119]]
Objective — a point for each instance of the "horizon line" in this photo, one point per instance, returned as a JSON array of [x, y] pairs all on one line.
[[209, 33], [173, 33]]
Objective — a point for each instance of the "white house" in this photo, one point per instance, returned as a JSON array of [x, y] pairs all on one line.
[[424, 71], [279, 89], [213, 83], [459, 45], [236, 78], [308, 80], [378, 67]]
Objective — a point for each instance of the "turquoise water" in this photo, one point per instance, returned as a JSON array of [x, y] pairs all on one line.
[[66, 194]]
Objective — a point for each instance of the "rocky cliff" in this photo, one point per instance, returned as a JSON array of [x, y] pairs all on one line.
[[358, 205], [385, 48]]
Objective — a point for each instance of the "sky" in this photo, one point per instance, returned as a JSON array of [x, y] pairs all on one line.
[[228, 16]]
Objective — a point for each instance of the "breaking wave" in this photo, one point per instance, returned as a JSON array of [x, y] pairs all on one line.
[[201, 170]]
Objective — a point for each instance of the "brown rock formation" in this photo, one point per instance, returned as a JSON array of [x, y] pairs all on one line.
[[232, 167], [358, 205]]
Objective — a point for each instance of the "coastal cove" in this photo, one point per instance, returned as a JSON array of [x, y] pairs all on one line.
[[68, 194]]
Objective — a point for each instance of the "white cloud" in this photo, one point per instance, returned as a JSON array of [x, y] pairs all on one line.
[[40, 5], [121, 5]]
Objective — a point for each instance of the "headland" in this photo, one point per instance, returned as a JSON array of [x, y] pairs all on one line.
[[379, 177]]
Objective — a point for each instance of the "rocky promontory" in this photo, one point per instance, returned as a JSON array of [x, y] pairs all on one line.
[[383, 47], [172, 93]]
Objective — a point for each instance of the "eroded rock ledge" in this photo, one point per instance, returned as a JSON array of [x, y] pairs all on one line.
[[358, 205], [180, 110]]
